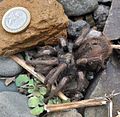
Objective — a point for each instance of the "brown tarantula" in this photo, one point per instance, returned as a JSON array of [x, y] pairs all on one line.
[[62, 63]]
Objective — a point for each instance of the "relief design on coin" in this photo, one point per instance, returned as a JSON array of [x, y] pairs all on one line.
[[16, 19]]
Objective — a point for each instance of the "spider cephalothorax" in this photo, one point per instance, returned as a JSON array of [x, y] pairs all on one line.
[[92, 54], [59, 64]]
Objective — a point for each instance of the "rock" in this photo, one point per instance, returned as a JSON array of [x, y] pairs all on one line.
[[94, 33], [71, 113], [105, 84], [104, 1], [8, 67], [12, 87], [78, 7], [100, 16], [74, 28], [13, 104], [47, 24], [112, 26]]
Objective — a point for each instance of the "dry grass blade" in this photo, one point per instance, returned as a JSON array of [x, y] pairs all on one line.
[[40, 77]]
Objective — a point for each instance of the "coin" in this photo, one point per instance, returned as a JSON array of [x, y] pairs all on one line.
[[16, 19]]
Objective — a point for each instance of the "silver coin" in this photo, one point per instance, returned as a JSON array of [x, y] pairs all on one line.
[[16, 19]]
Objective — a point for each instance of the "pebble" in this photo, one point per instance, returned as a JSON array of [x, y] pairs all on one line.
[[74, 28], [13, 104], [70, 113], [100, 16], [8, 67], [78, 7]]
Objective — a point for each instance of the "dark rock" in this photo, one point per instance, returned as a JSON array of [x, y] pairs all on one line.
[[8, 67], [13, 104], [100, 16], [112, 27], [105, 84], [12, 87], [71, 113], [74, 28], [78, 7]]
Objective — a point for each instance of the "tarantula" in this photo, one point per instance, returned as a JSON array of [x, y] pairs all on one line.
[[60, 65]]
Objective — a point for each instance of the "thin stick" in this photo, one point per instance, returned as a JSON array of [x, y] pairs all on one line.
[[110, 108], [78, 104], [84, 103], [39, 76], [115, 46]]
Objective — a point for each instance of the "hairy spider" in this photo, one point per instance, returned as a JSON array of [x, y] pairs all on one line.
[[60, 64]]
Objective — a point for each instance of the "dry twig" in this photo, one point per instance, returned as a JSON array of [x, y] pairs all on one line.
[[115, 46], [84, 103], [39, 76], [77, 104]]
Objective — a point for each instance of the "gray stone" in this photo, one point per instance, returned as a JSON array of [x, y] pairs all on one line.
[[71, 113], [8, 67], [13, 104], [74, 28], [12, 87], [100, 15], [112, 27], [78, 7], [105, 84], [94, 33]]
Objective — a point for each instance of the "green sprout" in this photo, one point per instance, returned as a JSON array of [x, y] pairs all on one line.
[[37, 92]]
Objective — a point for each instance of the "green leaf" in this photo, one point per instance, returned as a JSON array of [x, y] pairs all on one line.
[[41, 97], [43, 90], [36, 93], [66, 101], [41, 103], [50, 101], [58, 101], [31, 82], [21, 79], [37, 110], [30, 90], [33, 101]]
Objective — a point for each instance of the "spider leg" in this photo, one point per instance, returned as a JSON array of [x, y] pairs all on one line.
[[46, 52], [82, 82], [60, 86], [53, 61], [60, 69], [63, 44], [43, 69], [49, 75], [85, 31], [88, 60]]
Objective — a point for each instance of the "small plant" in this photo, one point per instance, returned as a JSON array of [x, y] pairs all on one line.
[[36, 92]]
